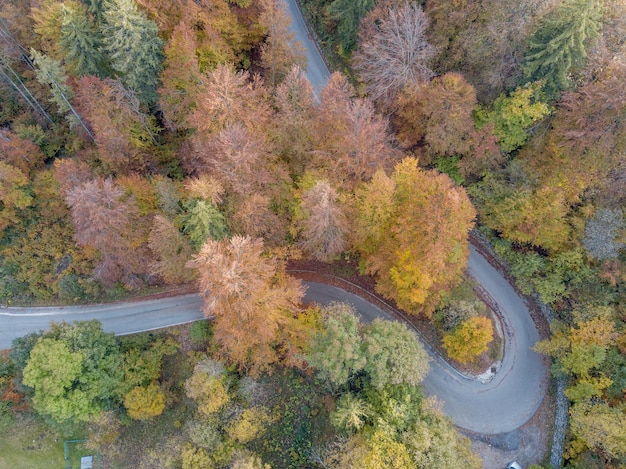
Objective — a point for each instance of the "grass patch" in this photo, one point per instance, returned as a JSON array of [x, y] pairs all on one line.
[[29, 443]]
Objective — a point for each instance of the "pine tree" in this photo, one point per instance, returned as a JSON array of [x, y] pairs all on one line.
[[561, 42], [281, 50], [203, 221], [133, 46], [81, 43], [95, 7], [51, 73]]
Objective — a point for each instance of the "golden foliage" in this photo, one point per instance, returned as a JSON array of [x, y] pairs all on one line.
[[469, 339]]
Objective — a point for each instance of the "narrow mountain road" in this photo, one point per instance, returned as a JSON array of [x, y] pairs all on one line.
[[316, 72], [502, 405], [517, 390]]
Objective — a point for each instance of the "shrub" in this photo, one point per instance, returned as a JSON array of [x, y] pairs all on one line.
[[209, 392], [469, 339], [250, 425], [350, 415], [200, 332], [196, 458], [457, 312], [205, 433], [144, 402], [6, 417], [70, 289], [6, 366]]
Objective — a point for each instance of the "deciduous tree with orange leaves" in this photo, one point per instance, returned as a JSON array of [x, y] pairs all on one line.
[[281, 50], [14, 194], [120, 127], [440, 113], [324, 225], [350, 140], [251, 298]]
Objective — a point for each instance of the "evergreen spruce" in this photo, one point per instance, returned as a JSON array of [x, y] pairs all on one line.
[[348, 14], [560, 44], [134, 49], [50, 72], [81, 43]]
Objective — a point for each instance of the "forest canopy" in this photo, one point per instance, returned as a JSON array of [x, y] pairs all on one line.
[[146, 144]]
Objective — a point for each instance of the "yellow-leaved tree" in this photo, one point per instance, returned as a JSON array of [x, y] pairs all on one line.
[[412, 230], [144, 402], [469, 339]]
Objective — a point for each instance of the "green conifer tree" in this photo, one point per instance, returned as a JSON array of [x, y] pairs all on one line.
[[348, 14], [50, 72], [134, 49], [95, 7], [81, 43], [560, 44]]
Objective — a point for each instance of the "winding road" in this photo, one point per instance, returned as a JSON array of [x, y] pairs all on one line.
[[514, 394], [505, 403], [502, 405]]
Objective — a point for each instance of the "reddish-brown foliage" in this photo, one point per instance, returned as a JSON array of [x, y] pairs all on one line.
[[249, 295], [20, 153], [70, 173], [350, 140], [119, 126], [103, 220], [393, 50]]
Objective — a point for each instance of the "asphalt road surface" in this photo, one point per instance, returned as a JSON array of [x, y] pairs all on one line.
[[502, 405], [316, 72]]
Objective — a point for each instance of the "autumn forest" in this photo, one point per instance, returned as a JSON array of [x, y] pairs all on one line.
[[149, 145]]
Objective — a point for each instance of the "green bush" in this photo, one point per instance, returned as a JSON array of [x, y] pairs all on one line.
[[450, 166], [70, 289], [200, 332], [6, 417], [6, 366]]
